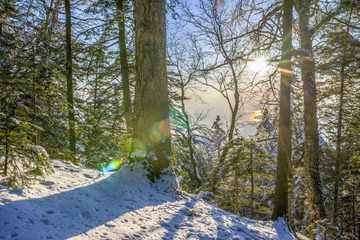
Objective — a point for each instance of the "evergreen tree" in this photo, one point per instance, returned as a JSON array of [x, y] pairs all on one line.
[[151, 103], [246, 175], [22, 159], [284, 140], [69, 83]]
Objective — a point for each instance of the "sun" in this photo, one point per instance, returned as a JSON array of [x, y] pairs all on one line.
[[258, 65], [256, 116], [258, 113]]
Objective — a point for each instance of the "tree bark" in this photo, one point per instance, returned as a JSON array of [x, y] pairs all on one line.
[[353, 219], [6, 163], [235, 110], [124, 64], [35, 136], [151, 103], [284, 140], [311, 145], [69, 81], [236, 186]]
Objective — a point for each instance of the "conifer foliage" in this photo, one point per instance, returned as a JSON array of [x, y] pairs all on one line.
[[20, 111]]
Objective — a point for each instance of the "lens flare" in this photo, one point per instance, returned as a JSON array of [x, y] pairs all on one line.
[[164, 127], [155, 136], [160, 131], [287, 71], [113, 165]]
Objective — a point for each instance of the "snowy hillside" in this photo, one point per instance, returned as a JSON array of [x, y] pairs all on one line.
[[80, 203]]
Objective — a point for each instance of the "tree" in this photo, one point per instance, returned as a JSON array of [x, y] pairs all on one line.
[[183, 71], [151, 103], [98, 67], [339, 84], [284, 140], [227, 43], [246, 162], [338, 150], [22, 159], [69, 82], [121, 5], [222, 31], [311, 145]]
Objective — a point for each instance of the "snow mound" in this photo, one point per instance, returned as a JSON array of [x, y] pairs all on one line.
[[80, 203]]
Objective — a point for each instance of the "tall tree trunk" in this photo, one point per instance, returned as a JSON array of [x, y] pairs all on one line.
[[353, 219], [252, 182], [69, 81], [236, 185], [35, 136], [291, 196], [284, 140], [235, 110], [6, 163], [124, 64], [339, 130], [338, 147], [151, 103], [234, 113], [311, 145]]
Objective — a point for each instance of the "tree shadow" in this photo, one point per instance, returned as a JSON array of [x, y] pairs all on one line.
[[72, 213], [243, 228], [76, 212]]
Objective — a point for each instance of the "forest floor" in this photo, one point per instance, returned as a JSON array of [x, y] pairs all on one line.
[[80, 203]]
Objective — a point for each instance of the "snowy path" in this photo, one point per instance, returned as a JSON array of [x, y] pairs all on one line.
[[80, 203]]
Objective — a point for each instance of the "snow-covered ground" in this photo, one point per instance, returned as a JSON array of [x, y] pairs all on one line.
[[80, 203]]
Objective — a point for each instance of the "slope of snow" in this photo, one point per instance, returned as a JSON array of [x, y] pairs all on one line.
[[80, 203]]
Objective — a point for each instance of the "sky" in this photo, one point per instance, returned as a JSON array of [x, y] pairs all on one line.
[[80, 203], [218, 105], [212, 101]]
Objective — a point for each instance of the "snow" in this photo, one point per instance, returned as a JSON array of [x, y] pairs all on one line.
[[357, 55], [304, 51], [205, 195], [40, 150], [15, 120], [80, 203]]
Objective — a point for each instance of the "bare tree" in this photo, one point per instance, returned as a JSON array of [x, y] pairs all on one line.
[[222, 30], [184, 63]]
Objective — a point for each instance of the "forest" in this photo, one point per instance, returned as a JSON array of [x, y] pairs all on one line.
[[107, 83]]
